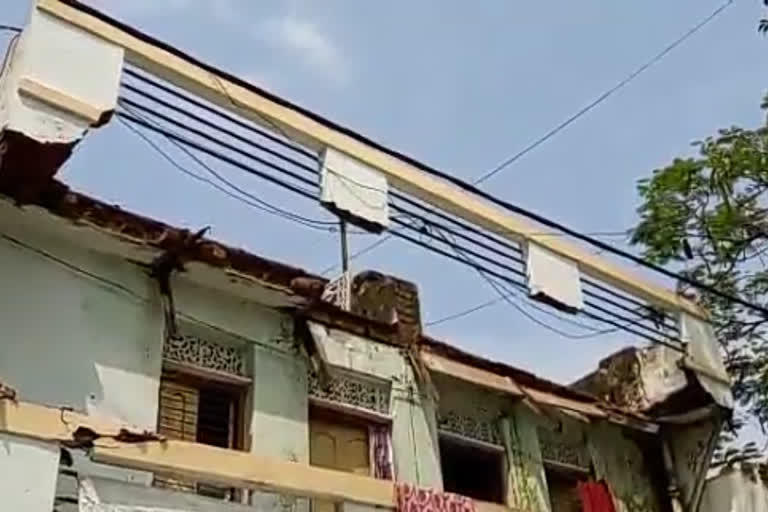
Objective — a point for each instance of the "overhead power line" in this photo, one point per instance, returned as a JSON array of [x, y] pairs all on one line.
[[254, 202], [506, 294], [604, 96], [10, 28], [644, 313], [523, 212], [425, 238], [507, 253], [655, 59]]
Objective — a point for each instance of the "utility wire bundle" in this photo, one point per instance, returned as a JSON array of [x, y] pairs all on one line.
[[203, 131]]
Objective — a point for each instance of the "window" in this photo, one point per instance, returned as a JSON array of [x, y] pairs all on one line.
[[563, 489], [472, 470], [344, 442], [203, 411]]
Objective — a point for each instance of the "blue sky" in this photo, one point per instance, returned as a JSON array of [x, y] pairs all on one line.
[[461, 86]]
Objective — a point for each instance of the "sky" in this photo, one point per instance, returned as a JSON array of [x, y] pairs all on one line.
[[461, 86]]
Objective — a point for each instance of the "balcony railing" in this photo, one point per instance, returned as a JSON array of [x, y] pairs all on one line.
[[120, 446]]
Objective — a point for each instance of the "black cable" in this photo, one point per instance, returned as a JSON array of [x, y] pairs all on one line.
[[676, 345], [523, 286], [10, 28], [607, 94], [213, 126], [460, 314], [587, 303], [224, 115], [644, 309], [220, 156], [472, 188], [210, 138], [256, 203], [406, 199], [506, 297], [455, 247], [173, 136], [69, 265]]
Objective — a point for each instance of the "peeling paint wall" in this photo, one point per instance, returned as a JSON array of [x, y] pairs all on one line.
[[95, 344], [100, 495], [279, 416], [622, 462], [527, 480], [735, 490], [414, 432], [87, 341], [28, 471], [599, 448]]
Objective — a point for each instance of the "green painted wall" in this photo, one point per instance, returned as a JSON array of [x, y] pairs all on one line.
[[621, 462]]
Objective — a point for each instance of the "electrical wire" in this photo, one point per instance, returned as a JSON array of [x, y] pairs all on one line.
[[463, 313], [474, 190], [305, 167], [455, 233], [10, 28], [114, 285], [213, 153], [509, 161], [506, 297], [256, 203], [209, 138], [218, 112], [604, 96], [675, 344], [522, 286], [211, 125]]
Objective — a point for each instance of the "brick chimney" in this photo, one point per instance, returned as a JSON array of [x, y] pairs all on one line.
[[390, 300]]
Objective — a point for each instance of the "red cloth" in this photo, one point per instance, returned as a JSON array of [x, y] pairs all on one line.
[[595, 497], [413, 499]]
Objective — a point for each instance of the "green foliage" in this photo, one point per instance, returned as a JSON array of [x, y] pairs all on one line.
[[707, 216]]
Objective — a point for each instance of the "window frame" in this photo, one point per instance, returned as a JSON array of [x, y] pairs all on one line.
[[476, 444]]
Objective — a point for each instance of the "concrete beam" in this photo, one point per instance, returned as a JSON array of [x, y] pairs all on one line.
[[270, 111], [200, 462]]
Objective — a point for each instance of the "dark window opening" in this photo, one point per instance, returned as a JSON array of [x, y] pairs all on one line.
[[472, 471], [563, 490]]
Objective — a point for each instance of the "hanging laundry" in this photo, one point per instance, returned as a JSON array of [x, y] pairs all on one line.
[[381, 448], [414, 499], [595, 497]]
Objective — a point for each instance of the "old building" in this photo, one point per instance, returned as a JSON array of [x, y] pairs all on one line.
[[249, 358], [147, 367]]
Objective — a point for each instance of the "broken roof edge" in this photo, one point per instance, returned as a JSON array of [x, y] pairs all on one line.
[[59, 200], [82, 210]]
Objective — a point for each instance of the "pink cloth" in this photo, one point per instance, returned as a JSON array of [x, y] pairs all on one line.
[[413, 499], [595, 497], [381, 447]]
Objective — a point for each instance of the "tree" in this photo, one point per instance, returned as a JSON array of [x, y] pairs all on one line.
[[707, 217], [762, 27]]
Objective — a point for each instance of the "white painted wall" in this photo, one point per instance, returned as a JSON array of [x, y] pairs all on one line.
[[101, 495], [71, 340], [414, 429], [95, 344], [28, 471], [735, 490], [68, 60]]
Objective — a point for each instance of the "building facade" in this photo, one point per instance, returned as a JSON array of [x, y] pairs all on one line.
[[231, 350], [145, 367]]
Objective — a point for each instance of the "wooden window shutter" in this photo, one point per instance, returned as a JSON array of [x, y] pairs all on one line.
[[177, 419]]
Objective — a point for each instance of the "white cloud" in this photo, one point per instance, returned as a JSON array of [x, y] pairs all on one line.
[[308, 42]]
